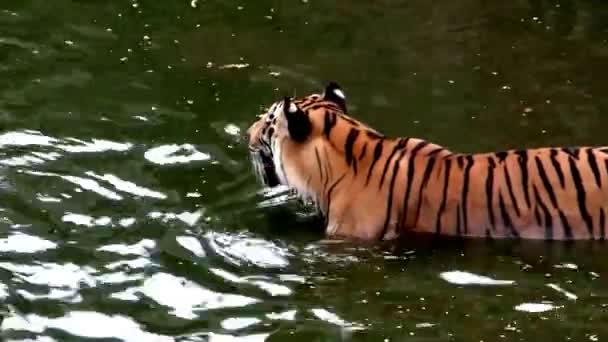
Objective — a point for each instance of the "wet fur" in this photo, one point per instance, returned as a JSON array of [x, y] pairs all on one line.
[[369, 186]]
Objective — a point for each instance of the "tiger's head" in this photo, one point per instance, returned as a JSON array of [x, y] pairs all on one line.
[[288, 141]]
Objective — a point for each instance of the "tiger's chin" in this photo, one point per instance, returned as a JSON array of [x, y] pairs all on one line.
[[265, 169]]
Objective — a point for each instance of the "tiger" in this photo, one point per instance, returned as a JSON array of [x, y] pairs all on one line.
[[369, 186]]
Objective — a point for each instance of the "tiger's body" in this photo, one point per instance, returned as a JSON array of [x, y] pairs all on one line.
[[369, 186]]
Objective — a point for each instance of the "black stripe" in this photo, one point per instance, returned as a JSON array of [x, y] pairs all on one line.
[[465, 193], [448, 164], [302, 103], [363, 151], [425, 178], [546, 182], [334, 184], [328, 196], [510, 188], [330, 122], [489, 191], [580, 194], [557, 167], [410, 175], [501, 155], [377, 155], [349, 120], [566, 225], [460, 161], [548, 218], [419, 147], [267, 145], [314, 106], [348, 146], [435, 151], [400, 145], [523, 165], [594, 168], [270, 133], [374, 135], [604, 150], [391, 189], [319, 164], [572, 151], [602, 224], [506, 219]]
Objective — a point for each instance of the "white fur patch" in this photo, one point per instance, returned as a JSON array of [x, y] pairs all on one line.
[[293, 108], [274, 111], [339, 93], [276, 158], [293, 180]]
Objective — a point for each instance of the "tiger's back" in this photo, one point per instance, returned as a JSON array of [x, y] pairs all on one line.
[[369, 186], [542, 193]]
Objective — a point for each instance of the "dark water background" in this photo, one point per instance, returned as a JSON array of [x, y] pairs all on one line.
[[128, 210]]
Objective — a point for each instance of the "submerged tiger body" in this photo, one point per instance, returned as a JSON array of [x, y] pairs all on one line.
[[369, 186]]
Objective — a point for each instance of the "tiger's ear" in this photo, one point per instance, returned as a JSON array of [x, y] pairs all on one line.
[[334, 94], [298, 123]]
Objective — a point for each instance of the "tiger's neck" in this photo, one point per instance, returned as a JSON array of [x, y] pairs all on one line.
[[378, 178]]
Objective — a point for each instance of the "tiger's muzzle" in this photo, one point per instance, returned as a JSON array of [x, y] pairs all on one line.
[[264, 168]]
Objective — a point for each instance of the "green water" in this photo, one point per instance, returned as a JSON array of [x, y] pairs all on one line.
[[128, 210]]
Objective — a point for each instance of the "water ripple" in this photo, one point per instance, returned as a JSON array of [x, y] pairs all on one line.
[[175, 154], [467, 278], [535, 307], [96, 145], [55, 281], [85, 324], [213, 337], [86, 220], [240, 249], [192, 244], [25, 138], [24, 243], [70, 145], [127, 186], [184, 296], [332, 318], [141, 248], [261, 282]]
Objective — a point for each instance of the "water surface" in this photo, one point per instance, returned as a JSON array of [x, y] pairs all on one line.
[[129, 211]]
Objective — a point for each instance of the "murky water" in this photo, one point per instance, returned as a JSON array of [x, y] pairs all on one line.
[[128, 210]]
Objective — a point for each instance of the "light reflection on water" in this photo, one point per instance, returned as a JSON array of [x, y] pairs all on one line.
[[23, 243], [85, 324]]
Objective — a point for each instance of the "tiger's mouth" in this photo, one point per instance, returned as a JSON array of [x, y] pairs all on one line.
[[264, 168]]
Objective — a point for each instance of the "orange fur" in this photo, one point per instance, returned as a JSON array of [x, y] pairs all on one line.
[[369, 186]]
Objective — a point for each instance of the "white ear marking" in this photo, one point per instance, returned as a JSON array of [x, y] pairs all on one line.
[[292, 108], [339, 93]]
